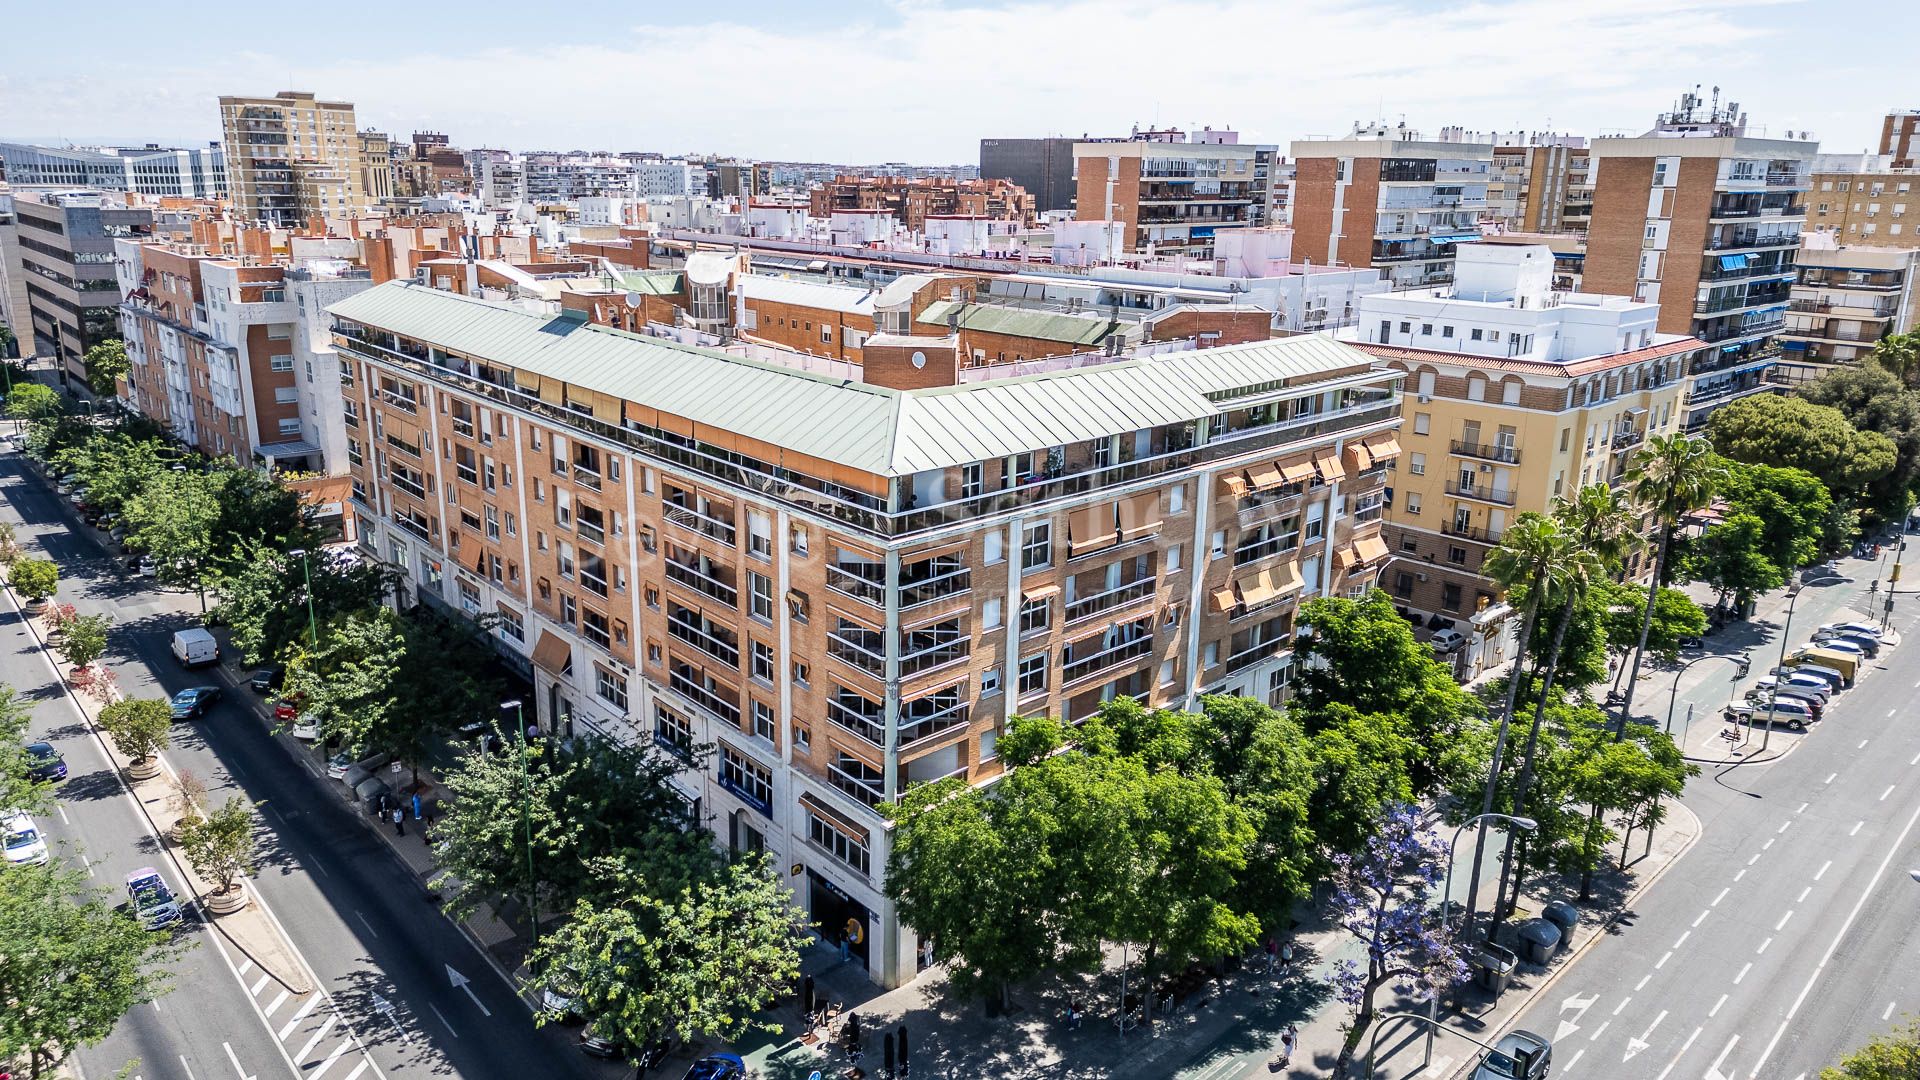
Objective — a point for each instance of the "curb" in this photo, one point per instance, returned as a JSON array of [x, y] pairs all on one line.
[[1493, 1032]]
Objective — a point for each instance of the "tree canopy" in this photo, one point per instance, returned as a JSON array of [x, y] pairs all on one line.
[[1893, 1056], [264, 595], [32, 401], [1873, 398], [107, 364], [1767, 429]]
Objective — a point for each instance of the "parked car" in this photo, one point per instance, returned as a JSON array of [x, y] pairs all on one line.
[[1447, 640], [268, 678], [1831, 676], [1866, 629], [147, 567], [1840, 644], [193, 702], [1866, 644], [305, 726], [595, 1044], [728, 1067], [153, 903], [44, 763], [1795, 714], [342, 764], [24, 844], [1795, 685], [1519, 1055], [1759, 701], [560, 998]]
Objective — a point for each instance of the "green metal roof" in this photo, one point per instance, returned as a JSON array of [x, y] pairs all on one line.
[[1018, 322], [652, 282]]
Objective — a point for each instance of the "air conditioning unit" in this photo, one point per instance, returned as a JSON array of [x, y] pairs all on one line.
[[1424, 398], [1420, 578], [1486, 468]]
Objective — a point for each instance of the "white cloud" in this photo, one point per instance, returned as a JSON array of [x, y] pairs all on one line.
[[930, 79]]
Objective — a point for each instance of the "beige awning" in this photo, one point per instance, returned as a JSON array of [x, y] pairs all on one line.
[[1275, 581], [1236, 485], [1140, 513], [1370, 549], [1328, 464], [1091, 528], [1344, 558], [552, 652], [1224, 599], [1383, 447], [1039, 592], [1297, 472], [1362, 457], [1264, 474]]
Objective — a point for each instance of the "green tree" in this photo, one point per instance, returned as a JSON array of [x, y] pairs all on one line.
[[1899, 354], [220, 845], [113, 467], [440, 682], [1671, 476], [350, 680], [71, 965], [1767, 429], [1733, 559], [501, 805], [1793, 506], [254, 505], [139, 727], [1360, 764], [264, 598], [18, 789], [704, 963], [1893, 1056], [84, 640], [1263, 760], [1675, 617], [107, 364], [33, 402], [172, 520], [1873, 398], [36, 579]]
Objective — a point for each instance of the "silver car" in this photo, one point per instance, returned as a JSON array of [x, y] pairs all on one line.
[[1519, 1055]]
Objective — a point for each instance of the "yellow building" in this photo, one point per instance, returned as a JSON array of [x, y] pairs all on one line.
[[291, 158], [1516, 394]]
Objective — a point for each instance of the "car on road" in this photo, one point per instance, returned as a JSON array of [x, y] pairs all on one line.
[[193, 702], [1519, 1055], [44, 763], [24, 844], [340, 764], [595, 1043], [268, 678], [1795, 714], [559, 999], [718, 1067], [153, 903], [195, 647]]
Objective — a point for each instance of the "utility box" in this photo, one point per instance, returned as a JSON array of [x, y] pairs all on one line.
[[1493, 967], [1539, 940]]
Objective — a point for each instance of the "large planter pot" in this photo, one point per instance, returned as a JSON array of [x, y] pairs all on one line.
[[144, 769], [35, 607], [229, 900]]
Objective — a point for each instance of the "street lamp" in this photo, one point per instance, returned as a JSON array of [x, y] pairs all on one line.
[[313, 623], [1793, 597], [1524, 824], [1744, 665], [526, 823], [1387, 1020]]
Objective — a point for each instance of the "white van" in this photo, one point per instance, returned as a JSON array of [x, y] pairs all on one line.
[[195, 648]]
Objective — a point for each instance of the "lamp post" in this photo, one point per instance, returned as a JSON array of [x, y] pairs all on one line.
[[526, 823], [1886, 618], [1388, 1020], [1744, 665], [1524, 824], [313, 623], [1793, 597]]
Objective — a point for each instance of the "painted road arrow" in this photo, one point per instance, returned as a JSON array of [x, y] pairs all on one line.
[[1579, 1006], [460, 982]]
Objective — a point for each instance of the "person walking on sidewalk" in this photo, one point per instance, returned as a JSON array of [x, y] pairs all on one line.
[[1289, 1038], [416, 806], [399, 822]]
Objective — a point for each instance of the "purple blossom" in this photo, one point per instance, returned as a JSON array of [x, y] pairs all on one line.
[[1383, 895]]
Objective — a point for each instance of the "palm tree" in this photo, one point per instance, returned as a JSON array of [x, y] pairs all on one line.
[[1524, 564], [1671, 476], [1900, 354]]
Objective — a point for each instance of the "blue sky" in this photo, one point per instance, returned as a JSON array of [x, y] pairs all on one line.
[[924, 80]]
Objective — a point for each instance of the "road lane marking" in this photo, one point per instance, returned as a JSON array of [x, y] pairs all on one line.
[[299, 1015], [360, 1068], [1642, 984], [1713, 1070], [1663, 960], [1862, 746], [1767, 845], [317, 1036], [1829, 778], [1777, 927], [1823, 870], [1739, 875], [188, 1069], [1803, 808], [86, 862], [235, 1058], [1889, 791], [1722, 896], [1702, 917], [1618, 1009], [1915, 761], [1597, 1031], [1684, 1047], [365, 923], [254, 990], [443, 1020], [1715, 1011], [1856, 828], [1893, 710], [1755, 859], [279, 1001], [1763, 946], [1889, 1011], [344, 1046], [1833, 946], [244, 968], [1803, 895], [63, 814], [1743, 973], [1575, 1060], [1784, 824], [1684, 935]]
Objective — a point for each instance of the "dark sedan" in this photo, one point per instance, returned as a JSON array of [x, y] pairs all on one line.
[[44, 763], [193, 702]]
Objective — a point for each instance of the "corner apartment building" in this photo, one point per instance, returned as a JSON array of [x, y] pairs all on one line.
[[1865, 200], [1844, 301], [1387, 198], [1520, 393], [1704, 220], [913, 201], [843, 586], [1172, 193], [291, 158], [66, 251], [1899, 134]]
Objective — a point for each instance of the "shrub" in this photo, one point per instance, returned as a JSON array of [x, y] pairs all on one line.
[[36, 579], [139, 727]]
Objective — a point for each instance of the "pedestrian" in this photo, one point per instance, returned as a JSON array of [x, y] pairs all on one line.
[[399, 822], [1273, 953], [846, 947], [416, 806], [1286, 956], [1288, 1040]]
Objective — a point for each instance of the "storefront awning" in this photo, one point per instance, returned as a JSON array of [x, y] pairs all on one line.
[[1362, 457]]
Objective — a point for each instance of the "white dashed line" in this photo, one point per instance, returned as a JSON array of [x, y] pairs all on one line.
[[1889, 791], [1684, 1047], [1574, 1060], [1856, 828], [345, 1045], [1642, 984], [1783, 920], [1702, 917], [1714, 1069], [278, 1001], [1803, 895], [1803, 808], [1743, 973], [317, 1036], [1915, 761], [443, 1020], [1755, 859], [1622, 1007], [1863, 745], [63, 814], [1894, 710], [1597, 1032], [255, 988], [1684, 935], [84, 861], [1783, 826], [1823, 870], [1722, 896], [1889, 1011], [1715, 1011], [365, 923], [1663, 960], [1768, 844], [1763, 946], [1739, 875], [299, 1015], [1829, 778]]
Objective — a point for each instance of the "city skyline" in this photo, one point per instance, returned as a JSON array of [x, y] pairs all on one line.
[[576, 88]]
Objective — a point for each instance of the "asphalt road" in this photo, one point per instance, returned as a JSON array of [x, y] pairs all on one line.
[[384, 1002], [1782, 940]]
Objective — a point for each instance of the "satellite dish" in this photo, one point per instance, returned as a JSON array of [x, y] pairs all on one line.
[[633, 299], [919, 359]]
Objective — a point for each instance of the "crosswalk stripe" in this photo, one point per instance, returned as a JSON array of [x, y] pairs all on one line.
[[360, 1068], [299, 1016], [345, 1045], [279, 1001], [255, 988], [315, 1041]]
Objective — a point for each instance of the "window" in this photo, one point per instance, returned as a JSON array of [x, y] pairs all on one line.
[[971, 479], [1210, 656], [1413, 502], [1406, 328], [1426, 329], [1037, 549], [799, 540], [802, 674], [990, 613], [746, 778], [760, 593], [837, 843], [290, 427], [759, 535], [802, 738], [285, 395], [1450, 597], [1033, 674], [1475, 334], [1176, 498], [1422, 423], [1035, 615], [763, 721], [672, 731], [1219, 543], [995, 548], [611, 688], [826, 334], [1456, 554], [1446, 331], [989, 745], [990, 682], [762, 668], [1173, 558], [511, 625], [1417, 464], [283, 362]]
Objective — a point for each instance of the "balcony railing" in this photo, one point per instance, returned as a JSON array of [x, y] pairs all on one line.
[[417, 528], [858, 656], [1252, 655], [399, 401], [1753, 240], [1482, 492], [1471, 532], [586, 477], [1826, 307], [1086, 607], [594, 583], [859, 586], [1623, 440], [869, 727], [1504, 453], [408, 486], [931, 725], [938, 587], [728, 711], [693, 578], [694, 521], [724, 651], [854, 786], [589, 531], [1110, 657]]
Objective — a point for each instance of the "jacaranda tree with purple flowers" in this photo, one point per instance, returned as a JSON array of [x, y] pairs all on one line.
[[1383, 895]]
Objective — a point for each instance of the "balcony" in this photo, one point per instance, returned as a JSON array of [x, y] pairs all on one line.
[[1861, 310], [590, 531], [925, 726], [586, 477], [694, 521], [1720, 304], [700, 637], [1627, 440], [1076, 668], [1252, 655], [857, 655], [856, 584], [399, 401], [411, 487], [705, 584], [1470, 532], [1717, 395], [1740, 330], [860, 789], [1133, 592], [1862, 336], [1504, 453], [868, 724], [418, 527], [594, 583], [1745, 240], [684, 685], [1482, 493]]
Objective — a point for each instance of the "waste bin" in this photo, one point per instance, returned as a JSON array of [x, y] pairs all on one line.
[[1563, 915], [1493, 967], [1538, 939]]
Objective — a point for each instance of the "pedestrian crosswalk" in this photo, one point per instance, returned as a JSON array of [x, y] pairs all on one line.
[[317, 1040]]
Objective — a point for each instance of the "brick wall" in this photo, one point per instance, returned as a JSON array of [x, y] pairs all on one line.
[[801, 328], [1617, 227], [1230, 327]]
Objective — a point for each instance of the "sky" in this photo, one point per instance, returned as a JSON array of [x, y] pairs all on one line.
[[866, 81]]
